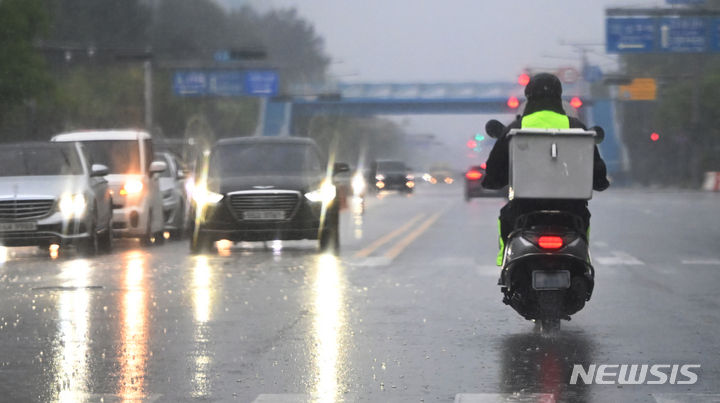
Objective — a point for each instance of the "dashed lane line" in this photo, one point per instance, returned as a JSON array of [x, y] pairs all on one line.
[[619, 259], [709, 262], [504, 398], [686, 398], [282, 398]]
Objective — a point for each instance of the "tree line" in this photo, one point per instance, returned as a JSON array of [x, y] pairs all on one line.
[[78, 64]]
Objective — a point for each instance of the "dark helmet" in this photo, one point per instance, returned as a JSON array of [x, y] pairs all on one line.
[[543, 85]]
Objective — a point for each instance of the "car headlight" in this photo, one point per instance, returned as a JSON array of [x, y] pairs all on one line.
[[131, 187], [203, 197], [380, 177], [72, 205], [410, 177], [358, 184], [325, 194]]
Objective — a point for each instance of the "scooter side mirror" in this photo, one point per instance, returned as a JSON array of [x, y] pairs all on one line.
[[494, 128], [599, 134]]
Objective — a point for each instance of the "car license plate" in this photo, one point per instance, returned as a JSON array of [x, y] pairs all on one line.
[[18, 226], [264, 215], [551, 280]]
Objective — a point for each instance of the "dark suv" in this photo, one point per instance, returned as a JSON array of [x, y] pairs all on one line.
[[391, 175], [266, 188]]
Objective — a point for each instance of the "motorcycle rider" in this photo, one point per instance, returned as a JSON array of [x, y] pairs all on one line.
[[544, 110]]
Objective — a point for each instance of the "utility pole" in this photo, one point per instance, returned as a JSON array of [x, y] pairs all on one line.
[[148, 92]]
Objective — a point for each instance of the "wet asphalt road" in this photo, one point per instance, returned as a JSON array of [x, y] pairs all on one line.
[[408, 312]]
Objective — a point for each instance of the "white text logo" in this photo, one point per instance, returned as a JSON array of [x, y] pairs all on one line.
[[635, 374]]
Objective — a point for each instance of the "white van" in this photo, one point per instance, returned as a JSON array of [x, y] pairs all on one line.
[[133, 179]]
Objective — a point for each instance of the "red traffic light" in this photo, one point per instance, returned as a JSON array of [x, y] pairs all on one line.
[[513, 102], [576, 102], [654, 136], [471, 144], [523, 79]]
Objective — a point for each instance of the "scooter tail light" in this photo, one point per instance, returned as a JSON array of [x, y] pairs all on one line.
[[550, 242], [473, 175]]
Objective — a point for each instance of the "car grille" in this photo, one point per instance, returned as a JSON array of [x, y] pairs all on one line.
[[244, 202], [24, 209]]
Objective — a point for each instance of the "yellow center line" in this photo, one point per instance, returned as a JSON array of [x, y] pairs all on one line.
[[399, 247], [388, 237]]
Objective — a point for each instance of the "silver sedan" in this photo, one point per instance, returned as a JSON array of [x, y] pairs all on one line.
[[51, 194]]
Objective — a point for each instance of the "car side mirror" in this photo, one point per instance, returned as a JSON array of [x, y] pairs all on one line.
[[494, 128], [157, 166], [340, 167], [599, 134], [99, 170]]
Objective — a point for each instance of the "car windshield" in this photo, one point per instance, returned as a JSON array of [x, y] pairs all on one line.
[[39, 161], [120, 156], [264, 159], [391, 166]]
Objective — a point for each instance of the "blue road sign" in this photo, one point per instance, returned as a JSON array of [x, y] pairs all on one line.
[[714, 28], [226, 82], [627, 35], [190, 83], [261, 82], [683, 34]]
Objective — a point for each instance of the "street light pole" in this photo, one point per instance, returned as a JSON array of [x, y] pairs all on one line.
[[148, 92]]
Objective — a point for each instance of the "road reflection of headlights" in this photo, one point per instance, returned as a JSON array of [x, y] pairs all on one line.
[[204, 197], [325, 194], [358, 184], [131, 187], [72, 205]]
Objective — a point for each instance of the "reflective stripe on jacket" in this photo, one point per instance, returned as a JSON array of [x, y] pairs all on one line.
[[545, 120]]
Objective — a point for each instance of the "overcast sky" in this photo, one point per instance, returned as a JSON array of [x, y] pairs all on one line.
[[454, 40]]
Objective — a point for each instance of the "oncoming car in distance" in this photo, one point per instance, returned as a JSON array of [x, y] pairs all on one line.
[[263, 189], [439, 174], [473, 184], [133, 179], [391, 175], [51, 195]]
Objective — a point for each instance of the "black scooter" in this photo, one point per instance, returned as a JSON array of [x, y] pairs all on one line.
[[547, 274]]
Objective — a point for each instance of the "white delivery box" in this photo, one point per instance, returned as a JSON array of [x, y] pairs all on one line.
[[551, 163]]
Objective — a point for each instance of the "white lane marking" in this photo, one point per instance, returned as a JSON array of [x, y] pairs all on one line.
[[108, 397], [701, 261], [686, 398], [282, 398], [619, 259], [373, 261], [504, 397]]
